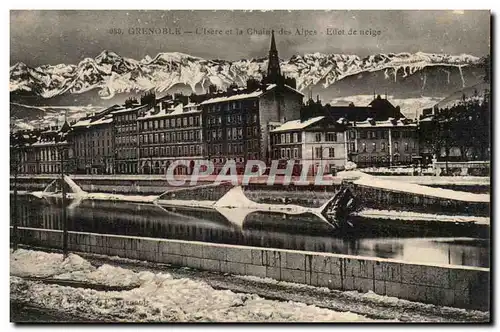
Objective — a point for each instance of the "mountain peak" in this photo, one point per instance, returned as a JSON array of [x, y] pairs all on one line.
[[111, 74], [107, 56], [19, 66]]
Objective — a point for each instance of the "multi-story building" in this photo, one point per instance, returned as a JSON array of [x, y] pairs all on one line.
[[93, 140], [383, 143], [48, 149], [126, 155], [315, 141], [236, 122], [168, 133]]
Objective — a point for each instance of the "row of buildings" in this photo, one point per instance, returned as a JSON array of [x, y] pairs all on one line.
[[266, 121]]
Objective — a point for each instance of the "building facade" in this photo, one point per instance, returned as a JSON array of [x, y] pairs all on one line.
[[387, 143], [316, 141], [93, 140], [41, 151], [126, 155], [237, 121], [168, 133]]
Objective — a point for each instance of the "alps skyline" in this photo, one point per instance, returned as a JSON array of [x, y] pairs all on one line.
[[54, 37]]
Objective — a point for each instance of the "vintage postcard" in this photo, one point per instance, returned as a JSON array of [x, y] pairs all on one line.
[[250, 166]]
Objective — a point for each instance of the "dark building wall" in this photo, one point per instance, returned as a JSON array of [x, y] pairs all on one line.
[[278, 105]]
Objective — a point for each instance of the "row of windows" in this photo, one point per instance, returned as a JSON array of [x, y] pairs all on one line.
[[384, 159], [50, 168], [383, 147], [383, 134], [287, 138], [128, 153], [174, 151], [235, 105], [100, 150], [319, 152], [126, 129], [328, 137], [180, 122], [287, 153], [232, 119], [126, 117], [49, 154], [126, 140], [184, 136]]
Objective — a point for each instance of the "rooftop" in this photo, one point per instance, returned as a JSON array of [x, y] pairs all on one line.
[[240, 96], [297, 124], [177, 110], [391, 122]]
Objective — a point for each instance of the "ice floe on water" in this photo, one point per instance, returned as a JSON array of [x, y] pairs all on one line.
[[157, 297]]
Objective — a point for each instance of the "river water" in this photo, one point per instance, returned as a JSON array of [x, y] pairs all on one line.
[[442, 244]]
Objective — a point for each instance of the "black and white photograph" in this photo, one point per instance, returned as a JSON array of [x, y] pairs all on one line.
[[250, 166]]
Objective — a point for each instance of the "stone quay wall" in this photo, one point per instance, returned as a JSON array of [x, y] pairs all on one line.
[[445, 285]]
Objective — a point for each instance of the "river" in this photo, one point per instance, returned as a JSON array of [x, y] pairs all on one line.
[[442, 244]]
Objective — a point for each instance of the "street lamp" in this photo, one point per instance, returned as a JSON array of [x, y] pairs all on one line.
[[62, 155]]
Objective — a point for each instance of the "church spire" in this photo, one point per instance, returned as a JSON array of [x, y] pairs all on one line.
[[273, 67]]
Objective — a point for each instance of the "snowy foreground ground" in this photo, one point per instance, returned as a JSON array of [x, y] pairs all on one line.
[[168, 294]]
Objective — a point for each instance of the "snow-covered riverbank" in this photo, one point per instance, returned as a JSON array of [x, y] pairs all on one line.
[[158, 297]]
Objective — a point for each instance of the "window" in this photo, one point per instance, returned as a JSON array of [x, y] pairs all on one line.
[[362, 134], [352, 147], [318, 137], [352, 134], [282, 138], [288, 154], [229, 136], [395, 134], [374, 147], [287, 137], [363, 147], [382, 146], [331, 152], [295, 153], [282, 153], [406, 147], [295, 138], [331, 137], [184, 122], [318, 152], [396, 146]]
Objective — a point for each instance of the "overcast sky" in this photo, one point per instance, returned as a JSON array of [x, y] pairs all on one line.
[[52, 37]]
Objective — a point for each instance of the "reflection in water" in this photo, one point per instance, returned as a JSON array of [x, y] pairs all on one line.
[[299, 232]]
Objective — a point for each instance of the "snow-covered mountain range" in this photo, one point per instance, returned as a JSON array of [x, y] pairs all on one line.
[[110, 75]]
